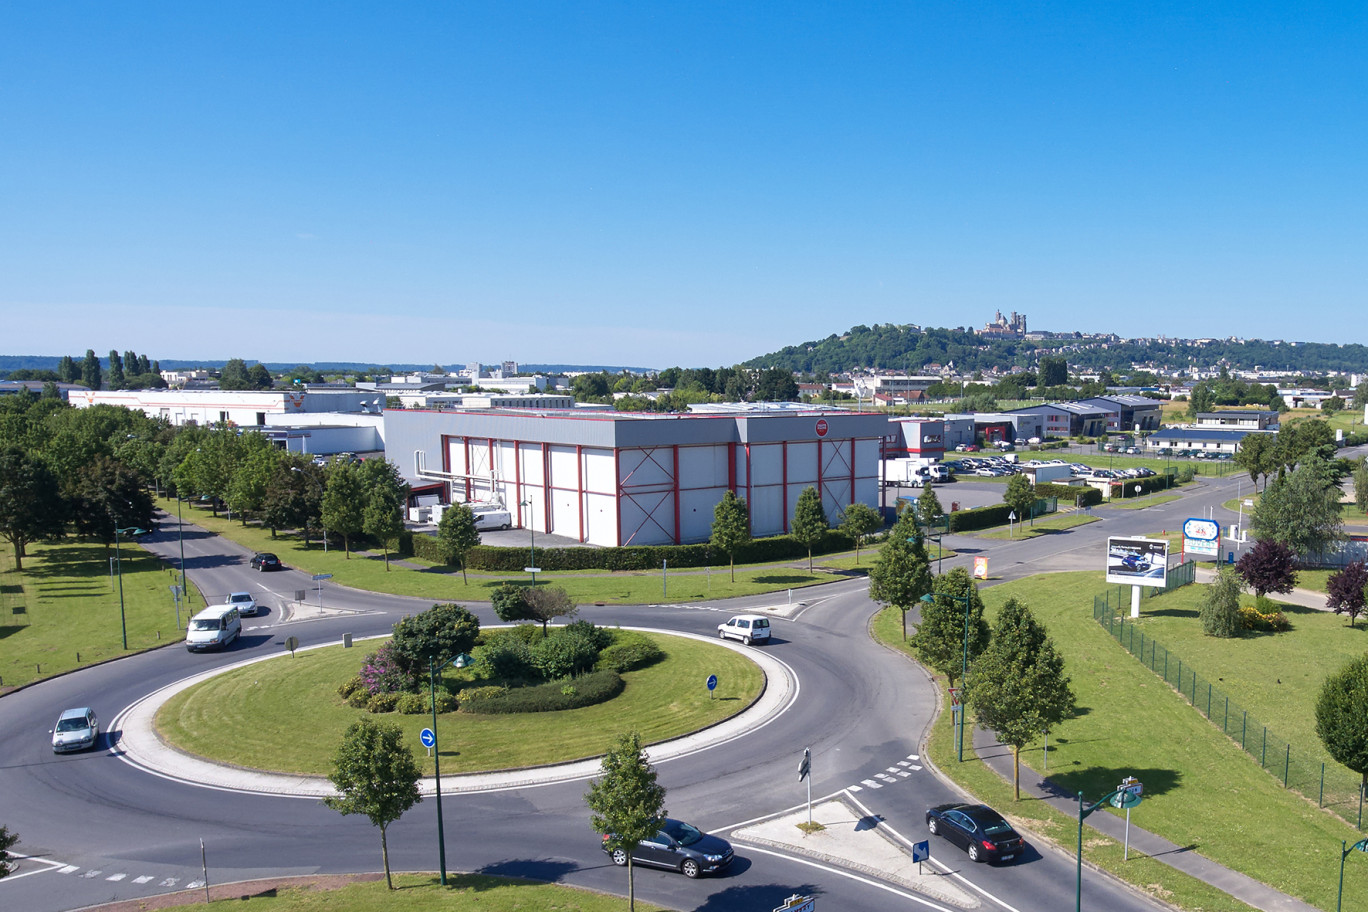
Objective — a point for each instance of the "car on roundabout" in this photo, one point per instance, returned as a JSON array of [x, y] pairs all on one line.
[[678, 846], [76, 729], [978, 829], [748, 628], [263, 561], [244, 602]]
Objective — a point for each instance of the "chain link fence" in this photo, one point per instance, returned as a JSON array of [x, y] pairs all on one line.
[[1330, 785]]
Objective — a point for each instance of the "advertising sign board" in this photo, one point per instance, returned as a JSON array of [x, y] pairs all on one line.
[[1202, 536], [1137, 561]]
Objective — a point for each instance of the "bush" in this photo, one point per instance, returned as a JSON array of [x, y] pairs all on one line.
[[564, 654], [979, 518], [1186, 474], [382, 672], [383, 702], [506, 658], [1251, 618], [472, 695], [445, 703], [629, 654], [359, 698], [599, 637], [529, 634], [350, 686], [411, 704], [585, 690]]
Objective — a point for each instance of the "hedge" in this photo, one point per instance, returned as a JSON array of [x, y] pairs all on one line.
[[572, 693], [979, 518], [1147, 485], [1069, 494]]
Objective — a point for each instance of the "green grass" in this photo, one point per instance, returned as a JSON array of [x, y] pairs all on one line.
[[445, 583], [418, 893], [1140, 503], [1040, 527], [1202, 790], [250, 717], [62, 611]]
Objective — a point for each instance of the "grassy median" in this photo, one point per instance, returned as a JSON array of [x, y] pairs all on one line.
[[414, 892]]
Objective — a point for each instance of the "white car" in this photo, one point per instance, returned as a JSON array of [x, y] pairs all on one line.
[[748, 628], [244, 603], [76, 729]]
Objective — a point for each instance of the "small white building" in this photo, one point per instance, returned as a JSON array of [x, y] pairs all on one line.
[[240, 408]]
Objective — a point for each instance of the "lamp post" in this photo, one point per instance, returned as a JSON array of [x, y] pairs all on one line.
[[964, 671], [118, 563], [1129, 800], [320, 504], [1360, 846], [531, 528], [460, 661], [180, 537]]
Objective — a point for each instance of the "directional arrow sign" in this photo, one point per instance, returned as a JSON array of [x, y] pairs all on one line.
[[322, 576], [805, 765], [427, 737]]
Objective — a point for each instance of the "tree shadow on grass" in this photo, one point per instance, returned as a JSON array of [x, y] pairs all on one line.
[[1096, 781], [783, 580], [539, 869]]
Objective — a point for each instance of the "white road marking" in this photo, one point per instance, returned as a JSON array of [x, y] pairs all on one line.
[[169, 882], [903, 774], [194, 885], [143, 879], [854, 788], [116, 877], [921, 900], [89, 874], [913, 757], [870, 783], [67, 869]]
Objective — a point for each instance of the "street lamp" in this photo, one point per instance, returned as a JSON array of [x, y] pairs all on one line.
[[1129, 799], [532, 556], [180, 537], [460, 661], [964, 673], [320, 506], [1360, 846], [118, 562]]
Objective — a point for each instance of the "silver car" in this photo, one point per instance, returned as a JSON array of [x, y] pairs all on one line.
[[77, 729]]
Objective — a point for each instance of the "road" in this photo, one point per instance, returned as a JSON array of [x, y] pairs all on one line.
[[101, 829]]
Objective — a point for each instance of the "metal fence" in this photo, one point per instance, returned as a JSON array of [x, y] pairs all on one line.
[[1329, 785]]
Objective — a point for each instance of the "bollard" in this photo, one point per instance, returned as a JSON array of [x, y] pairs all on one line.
[[346, 640], [78, 658]]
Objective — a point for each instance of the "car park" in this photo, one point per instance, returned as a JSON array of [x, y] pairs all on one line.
[[264, 560], [677, 846], [76, 729], [244, 602], [978, 829], [748, 628]]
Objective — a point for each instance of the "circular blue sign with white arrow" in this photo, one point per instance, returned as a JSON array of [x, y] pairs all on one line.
[[712, 682], [428, 737]]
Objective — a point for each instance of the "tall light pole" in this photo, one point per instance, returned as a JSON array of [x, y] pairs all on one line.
[[1360, 846], [531, 527], [460, 661], [118, 562], [320, 505], [180, 536], [930, 599]]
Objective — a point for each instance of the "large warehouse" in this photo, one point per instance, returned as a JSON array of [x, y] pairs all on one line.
[[634, 479]]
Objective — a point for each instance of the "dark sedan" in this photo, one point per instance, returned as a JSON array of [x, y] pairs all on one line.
[[265, 561], [978, 829], [679, 846]]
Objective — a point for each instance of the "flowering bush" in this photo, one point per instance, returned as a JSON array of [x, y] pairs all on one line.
[[383, 674]]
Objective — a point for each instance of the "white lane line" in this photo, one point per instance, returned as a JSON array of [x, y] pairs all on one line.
[[867, 881], [68, 869], [48, 866]]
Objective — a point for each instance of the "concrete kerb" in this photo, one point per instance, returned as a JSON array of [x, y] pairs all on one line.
[[139, 744]]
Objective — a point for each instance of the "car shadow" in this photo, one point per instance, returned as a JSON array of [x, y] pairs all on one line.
[[539, 869], [755, 896]]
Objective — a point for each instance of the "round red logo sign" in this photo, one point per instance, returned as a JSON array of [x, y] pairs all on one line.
[[821, 427]]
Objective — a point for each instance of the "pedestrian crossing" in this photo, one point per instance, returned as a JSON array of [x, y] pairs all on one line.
[[166, 883], [903, 769]]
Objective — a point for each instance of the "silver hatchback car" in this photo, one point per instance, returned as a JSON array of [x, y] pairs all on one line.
[[77, 729]]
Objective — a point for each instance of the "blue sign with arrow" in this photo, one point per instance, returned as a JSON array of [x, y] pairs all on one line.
[[428, 737]]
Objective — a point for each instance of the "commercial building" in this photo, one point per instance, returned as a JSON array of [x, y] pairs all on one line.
[[1128, 413], [639, 479], [243, 408], [1238, 419]]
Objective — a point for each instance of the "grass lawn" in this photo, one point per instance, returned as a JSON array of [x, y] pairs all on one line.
[[1140, 503], [1049, 526], [463, 893], [1201, 790], [445, 584], [62, 611], [250, 716]]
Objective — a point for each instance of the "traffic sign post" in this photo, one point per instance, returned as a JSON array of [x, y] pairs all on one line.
[[712, 685], [319, 578], [805, 774], [920, 852], [292, 643]]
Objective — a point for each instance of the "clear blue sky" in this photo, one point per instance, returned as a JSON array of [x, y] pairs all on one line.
[[655, 184]]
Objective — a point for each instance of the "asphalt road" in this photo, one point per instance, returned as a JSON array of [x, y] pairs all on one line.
[[105, 830]]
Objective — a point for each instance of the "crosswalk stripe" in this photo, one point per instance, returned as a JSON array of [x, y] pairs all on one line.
[[870, 783], [194, 885], [903, 774], [855, 788], [67, 869], [89, 874], [169, 882], [143, 879], [913, 757], [116, 877]]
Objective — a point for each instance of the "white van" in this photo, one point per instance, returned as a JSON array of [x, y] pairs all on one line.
[[213, 628], [493, 519]]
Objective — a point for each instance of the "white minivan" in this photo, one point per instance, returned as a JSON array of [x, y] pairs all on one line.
[[748, 628], [493, 519], [213, 628]]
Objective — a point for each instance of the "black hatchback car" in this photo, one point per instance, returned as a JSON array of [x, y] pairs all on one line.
[[978, 829], [679, 846], [265, 560]]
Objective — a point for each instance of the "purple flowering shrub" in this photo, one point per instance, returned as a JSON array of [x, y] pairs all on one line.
[[383, 674]]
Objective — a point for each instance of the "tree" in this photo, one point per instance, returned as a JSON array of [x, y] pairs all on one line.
[[440, 633], [251, 478], [859, 521], [233, 376], [7, 841], [929, 506], [1361, 485], [376, 774], [731, 527], [382, 521], [116, 371], [1017, 687], [546, 603], [1301, 510], [1020, 496], [1257, 455], [344, 503], [1332, 405], [90, 370], [1340, 711], [259, 377], [510, 603], [810, 522], [108, 495], [1348, 590], [627, 803], [1053, 371], [901, 574], [456, 535], [939, 639], [1221, 605], [67, 371], [31, 504], [1269, 566]]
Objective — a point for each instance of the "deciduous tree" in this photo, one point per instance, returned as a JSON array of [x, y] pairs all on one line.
[[859, 521], [1340, 713], [376, 774], [90, 370], [901, 574], [731, 527], [1020, 496], [116, 371], [456, 535], [627, 804], [1221, 606], [929, 506], [1258, 455], [1017, 687], [1269, 566], [810, 522], [1361, 484], [1348, 590], [940, 638], [344, 503], [7, 841], [1301, 510], [440, 633], [31, 504], [545, 603]]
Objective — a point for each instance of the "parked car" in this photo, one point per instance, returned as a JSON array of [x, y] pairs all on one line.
[[679, 846], [1033, 441], [264, 560], [971, 448], [748, 628], [76, 729], [244, 603], [976, 828]]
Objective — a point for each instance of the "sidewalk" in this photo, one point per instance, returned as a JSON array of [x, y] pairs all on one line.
[[998, 757], [1307, 598]]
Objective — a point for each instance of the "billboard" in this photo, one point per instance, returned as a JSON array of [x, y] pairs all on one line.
[[1137, 561], [1202, 536]]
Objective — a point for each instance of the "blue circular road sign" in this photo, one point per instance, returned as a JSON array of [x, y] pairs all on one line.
[[427, 737], [712, 682]]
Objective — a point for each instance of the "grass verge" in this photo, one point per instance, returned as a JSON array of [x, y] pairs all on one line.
[[1201, 790], [1040, 527], [1140, 503], [251, 716], [62, 611]]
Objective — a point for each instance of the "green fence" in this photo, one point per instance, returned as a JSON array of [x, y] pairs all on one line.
[[1330, 785]]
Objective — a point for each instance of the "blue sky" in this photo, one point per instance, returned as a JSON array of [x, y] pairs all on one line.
[[655, 184]]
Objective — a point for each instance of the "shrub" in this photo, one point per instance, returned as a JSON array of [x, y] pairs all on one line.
[[442, 630], [382, 672], [506, 658], [1251, 618], [585, 690], [358, 698], [564, 654], [383, 702], [349, 686], [473, 695], [445, 703], [529, 634], [600, 637], [629, 655], [411, 704]]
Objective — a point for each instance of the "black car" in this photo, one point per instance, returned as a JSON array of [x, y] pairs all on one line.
[[978, 829], [265, 561], [679, 846]]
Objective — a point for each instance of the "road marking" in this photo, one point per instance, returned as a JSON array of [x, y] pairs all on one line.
[[143, 879], [169, 882], [917, 768], [891, 769], [89, 874], [904, 763], [913, 757], [868, 881], [116, 877], [67, 869], [854, 788], [194, 885], [870, 783], [903, 774]]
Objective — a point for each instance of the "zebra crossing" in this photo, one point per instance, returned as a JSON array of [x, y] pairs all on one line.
[[167, 883], [890, 776]]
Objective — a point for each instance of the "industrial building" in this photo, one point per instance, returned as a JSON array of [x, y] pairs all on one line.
[[243, 408], [640, 479]]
